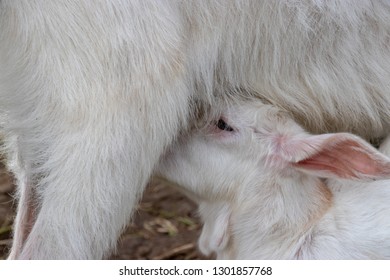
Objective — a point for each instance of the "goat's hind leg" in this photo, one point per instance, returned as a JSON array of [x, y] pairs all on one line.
[[27, 201], [91, 124]]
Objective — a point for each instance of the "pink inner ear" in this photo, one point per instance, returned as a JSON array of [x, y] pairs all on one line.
[[347, 158]]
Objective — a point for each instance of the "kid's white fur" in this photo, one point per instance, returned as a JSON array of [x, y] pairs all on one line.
[[261, 194], [92, 93]]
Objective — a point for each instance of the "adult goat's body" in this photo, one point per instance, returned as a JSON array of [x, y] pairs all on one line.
[[91, 94]]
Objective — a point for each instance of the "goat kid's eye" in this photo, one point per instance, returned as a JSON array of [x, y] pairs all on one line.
[[222, 125]]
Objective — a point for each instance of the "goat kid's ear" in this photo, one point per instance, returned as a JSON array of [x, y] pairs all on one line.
[[215, 233], [339, 155]]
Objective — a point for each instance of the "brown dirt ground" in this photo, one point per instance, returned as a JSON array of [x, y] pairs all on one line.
[[165, 225]]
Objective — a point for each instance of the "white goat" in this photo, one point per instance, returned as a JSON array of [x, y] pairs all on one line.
[[257, 175], [93, 92]]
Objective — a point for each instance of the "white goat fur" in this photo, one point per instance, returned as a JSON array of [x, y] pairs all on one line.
[[93, 92], [261, 196]]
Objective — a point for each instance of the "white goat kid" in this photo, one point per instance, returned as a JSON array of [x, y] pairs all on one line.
[[257, 176], [93, 92]]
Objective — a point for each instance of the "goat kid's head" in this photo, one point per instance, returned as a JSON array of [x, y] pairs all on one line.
[[252, 144]]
